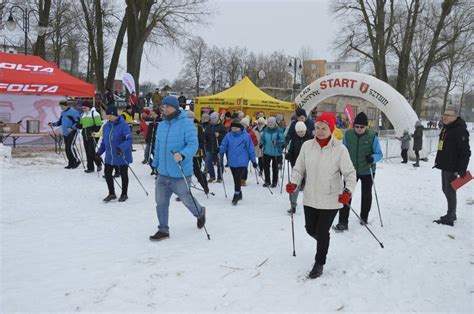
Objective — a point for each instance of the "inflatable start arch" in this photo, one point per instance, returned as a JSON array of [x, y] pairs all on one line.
[[383, 96]]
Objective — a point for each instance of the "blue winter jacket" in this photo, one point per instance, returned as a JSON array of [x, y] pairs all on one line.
[[175, 135], [268, 138], [116, 134], [239, 149], [65, 120]]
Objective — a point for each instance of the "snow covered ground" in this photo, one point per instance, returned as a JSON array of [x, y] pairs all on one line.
[[63, 250]]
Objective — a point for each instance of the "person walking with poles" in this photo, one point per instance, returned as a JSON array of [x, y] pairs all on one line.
[[213, 136], [364, 150], [417, 141], [175, 146], [90, 122], [67, 122], [303, 135], [117, 145], [197, 159], [239, 148], [452, 159], [272, 142], [321, 162]]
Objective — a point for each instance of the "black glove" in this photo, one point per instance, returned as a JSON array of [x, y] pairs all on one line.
[[462, 173], [254, 164], [78, 125], [98, 158], [119, 151], [369, 158]]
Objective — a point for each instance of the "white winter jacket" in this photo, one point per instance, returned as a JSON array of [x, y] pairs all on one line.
[[323, 168]]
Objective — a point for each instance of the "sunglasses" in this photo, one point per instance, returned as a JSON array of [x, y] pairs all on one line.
[[359, 126]]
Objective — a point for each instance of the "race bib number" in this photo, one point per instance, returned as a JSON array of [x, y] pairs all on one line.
[[440, 145]]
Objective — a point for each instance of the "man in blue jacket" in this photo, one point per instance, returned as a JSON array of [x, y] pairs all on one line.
[[68, 115], [175, 146]]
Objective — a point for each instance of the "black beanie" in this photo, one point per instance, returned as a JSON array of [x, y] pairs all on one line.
[[236, 123], [361, 119], [300, 112]]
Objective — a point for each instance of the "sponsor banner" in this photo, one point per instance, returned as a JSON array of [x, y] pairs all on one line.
[[26, 67], [129, 82]]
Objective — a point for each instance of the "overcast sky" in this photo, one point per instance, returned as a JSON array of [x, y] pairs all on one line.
[[260, 26]]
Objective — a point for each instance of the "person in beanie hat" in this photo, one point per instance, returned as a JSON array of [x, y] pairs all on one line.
[[89, 122], [258, 130], [364, 149], [452, 158], [200, 154], [67, 120], [205, 118], [271, 142], [117, 145], [300, 116], [293, 152], [405, 139], [239, 148], [321, 162], [213, 136], [175, 146]]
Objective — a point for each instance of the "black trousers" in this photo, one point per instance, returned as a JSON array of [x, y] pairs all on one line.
[[68, 142], [237, 175], [417, 155], [89, 146], [197, 162], [317, 224], [366, 200], [110, 180], [266, 168], [446, 178], [405, 155], [260, 163]]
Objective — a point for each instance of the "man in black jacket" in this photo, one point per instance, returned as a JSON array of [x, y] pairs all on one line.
[[452, 158], [213, 136], [300, 116]]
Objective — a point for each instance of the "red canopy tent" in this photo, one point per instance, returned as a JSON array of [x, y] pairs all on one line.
[[32, 75]]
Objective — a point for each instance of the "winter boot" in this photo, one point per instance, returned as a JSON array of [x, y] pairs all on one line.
[[274, 185], [446, 222], [446, 217], [211, 180], [219, 180], [123, 198], [266, 184], [109, 198], [75, 165], [202, 220], [89, 170], [159, 235], [416, 164], [341, 227], [236, 198], [363, 222], [292, 210], [316, 272]]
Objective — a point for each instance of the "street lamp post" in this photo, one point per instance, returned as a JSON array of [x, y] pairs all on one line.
[[295, 62], [11, 24]]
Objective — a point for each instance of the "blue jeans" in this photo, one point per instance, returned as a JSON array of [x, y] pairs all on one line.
[[164, 188], [210, 158]]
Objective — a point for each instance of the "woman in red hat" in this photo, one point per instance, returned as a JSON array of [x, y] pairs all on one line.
[[322, 162]]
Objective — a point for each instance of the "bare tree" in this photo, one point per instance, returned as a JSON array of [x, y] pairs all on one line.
[[195, 52], [305, 53], [44, 7]]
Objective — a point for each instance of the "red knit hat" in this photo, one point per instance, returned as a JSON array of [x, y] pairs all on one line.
[[329, 118]]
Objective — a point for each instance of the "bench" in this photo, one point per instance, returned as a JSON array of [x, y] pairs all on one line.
[[58, 138]]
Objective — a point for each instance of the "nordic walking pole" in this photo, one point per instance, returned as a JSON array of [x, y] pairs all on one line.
[[56, 141], [381, 244], [95, 146], [128, 165], [192, 197], [271, 192], [293, 234], [282, 174], [220, 166], [256, 176], [376, 197], [199, 189], [78, 151]]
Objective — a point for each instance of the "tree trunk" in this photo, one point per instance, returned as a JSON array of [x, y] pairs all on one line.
[[44, 7], [448, 87], [99, 67], [446, 7], [116, 54]]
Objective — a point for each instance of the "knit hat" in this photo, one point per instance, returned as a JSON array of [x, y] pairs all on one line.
[[451, 108], [235, 123], [205, 117], [261, 120], [361, 119], [300, 112], [228, 114], [300, 126], [245, 122], [111, 110], [170, 101], [271, 121], [329, 118], [63, 103], [418, 123], [214, 115]]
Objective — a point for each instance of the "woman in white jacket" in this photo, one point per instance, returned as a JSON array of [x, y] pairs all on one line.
[[322, 162]]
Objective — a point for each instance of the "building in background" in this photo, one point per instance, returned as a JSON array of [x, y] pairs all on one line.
[[314, 69]]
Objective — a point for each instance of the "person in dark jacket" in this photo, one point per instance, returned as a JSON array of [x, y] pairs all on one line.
[[117, 145], [417, 142], [303, 135], [90, 123], [67, 122], [239, 148], [155, 114], [405, 139], [213, 136], [452, 158], [200, 154], [300, 116], [364, 149]]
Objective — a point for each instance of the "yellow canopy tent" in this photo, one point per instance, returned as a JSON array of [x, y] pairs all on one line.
[[246, 97]]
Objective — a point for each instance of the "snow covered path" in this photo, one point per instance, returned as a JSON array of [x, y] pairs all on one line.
[[63, 250]]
